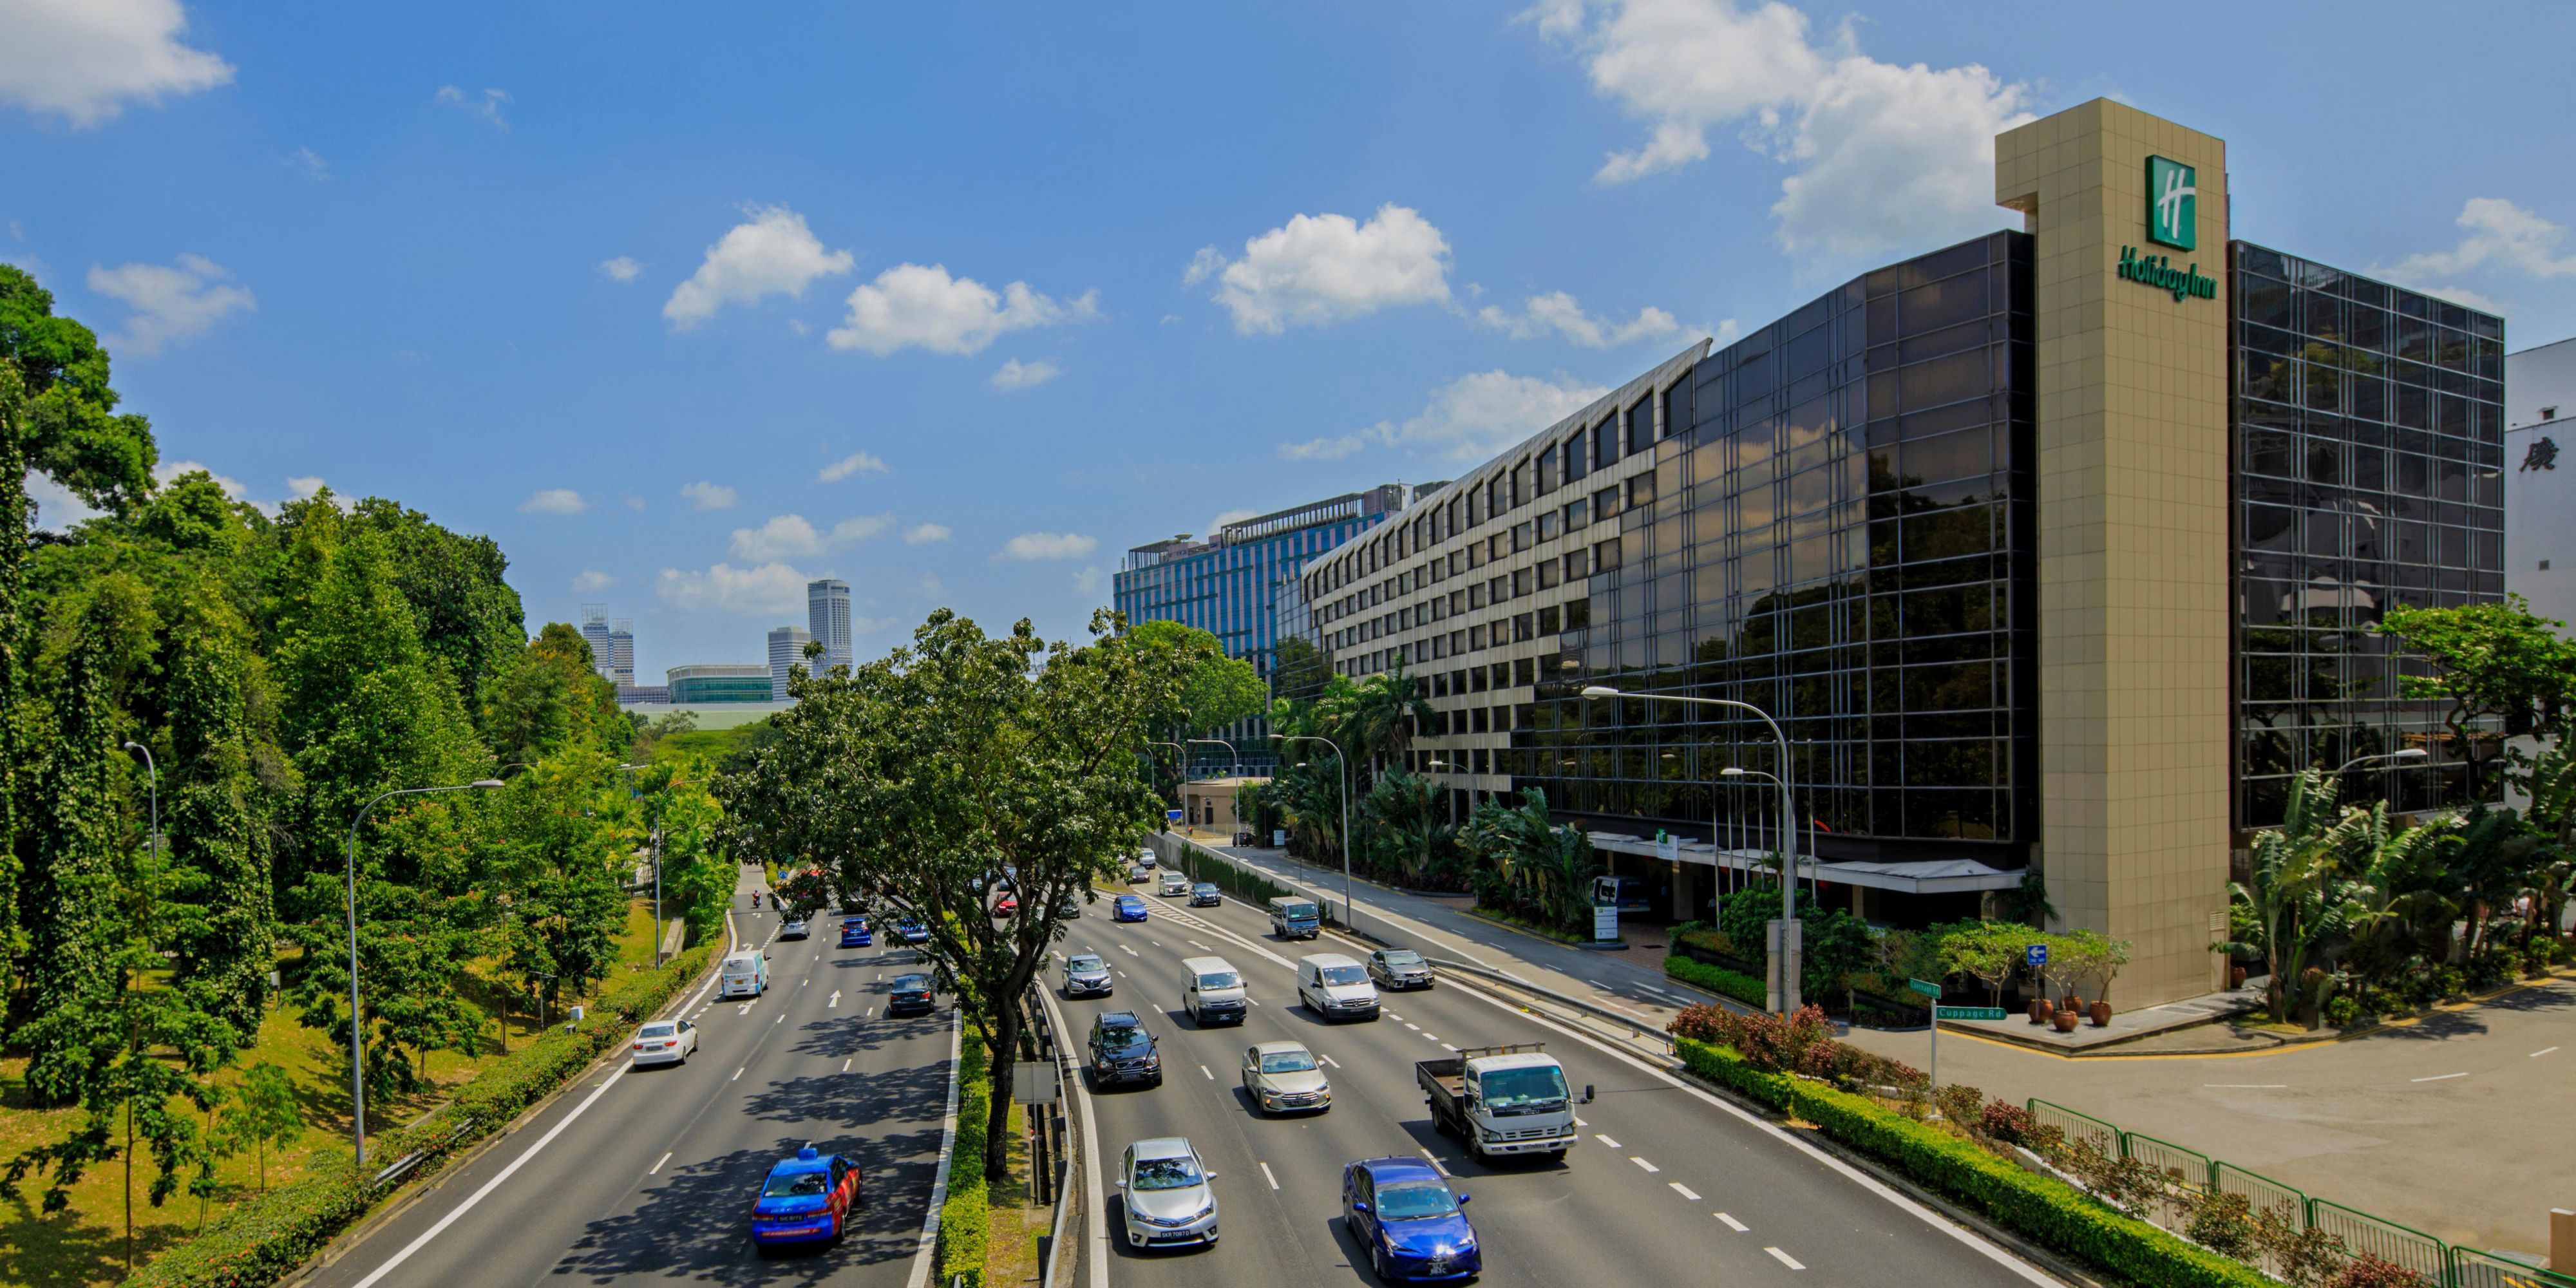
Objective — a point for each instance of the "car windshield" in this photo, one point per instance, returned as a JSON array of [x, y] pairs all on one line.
[[1220, 979], [1343, 974], [1130, 901], [1297, 911], [1122, 1040], [1415, 1201], [1203, 887], [1166, 1174], [1086, 962], [796, 1185], [1401, 959], [911, 983], [1539, 1088], [1287, 1062], [659, 1030]]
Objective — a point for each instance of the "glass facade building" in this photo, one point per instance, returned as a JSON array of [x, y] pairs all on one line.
[[718, 682]]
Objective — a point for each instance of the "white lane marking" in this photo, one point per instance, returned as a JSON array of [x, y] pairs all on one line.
[[1265, 1175], [1598, 984], [1415, 1027], [1127, 950], [737, 1074], [2539, 1053], [1657, 991], [1155, 942], [929, 1242], [1605, 1140], [1731, 1223], [868, 1014], [1395, 1017], [488, 1186], [1446, 1047], [1205, 949], [782, 1019], [2247, 1086], [1210, 1076], [1254, 1000], [2439, 1077], [1432, 1036], [1442, 1168], [1643, 1163], [1785, 1259], [845, 1066], [744, 1009], [657, 1163], [1578, 1121], [2020, 1270], [1328, 1059], [1122, 974], [1683, 1190]]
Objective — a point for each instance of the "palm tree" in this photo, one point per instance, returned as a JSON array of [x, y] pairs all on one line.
[[1383, 713], [1403, 815], [2300, 906], [1541, 865]]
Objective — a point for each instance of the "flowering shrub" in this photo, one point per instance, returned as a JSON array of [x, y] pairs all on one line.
[[2367, 1271], [1802, 1044]]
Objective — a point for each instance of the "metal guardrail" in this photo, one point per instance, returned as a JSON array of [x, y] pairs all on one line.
[[2367, 1235], [2079, 1128], [2471, 1268], [2261, 1193]]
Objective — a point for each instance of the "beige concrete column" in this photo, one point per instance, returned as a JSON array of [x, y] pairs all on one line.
[[2134, 624]]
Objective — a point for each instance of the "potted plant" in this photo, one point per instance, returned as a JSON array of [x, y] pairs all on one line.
[[2040, 1009], [2064, 1020]]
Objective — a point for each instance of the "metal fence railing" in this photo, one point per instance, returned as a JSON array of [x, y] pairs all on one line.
[[2078, 1129], [2366, 1235], [2261, 1193], [2471, 1268]]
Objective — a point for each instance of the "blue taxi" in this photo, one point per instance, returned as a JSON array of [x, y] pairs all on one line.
[[805, 1199]]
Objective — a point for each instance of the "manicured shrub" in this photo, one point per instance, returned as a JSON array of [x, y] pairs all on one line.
[[1717, 979], [1960, 1104]]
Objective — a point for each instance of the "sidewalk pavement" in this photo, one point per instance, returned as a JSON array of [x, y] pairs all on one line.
[[2455, 1124]]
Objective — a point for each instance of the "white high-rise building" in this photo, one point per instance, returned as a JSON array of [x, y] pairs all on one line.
[[827, 613], [594, 628], [621, 651], [786, 649]]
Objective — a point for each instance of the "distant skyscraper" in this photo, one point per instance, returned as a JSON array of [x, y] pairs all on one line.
[[827, 613], [594, 628], [786, 649], [621, 650]]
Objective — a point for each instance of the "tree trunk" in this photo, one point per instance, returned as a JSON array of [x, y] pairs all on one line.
[[997, 1126]]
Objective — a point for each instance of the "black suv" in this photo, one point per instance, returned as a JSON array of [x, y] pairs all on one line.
[[1122, 1051]]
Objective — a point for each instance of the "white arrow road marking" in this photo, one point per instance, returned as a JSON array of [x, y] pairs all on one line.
[[1265, 1175], [1785, 1259], [1127, 950], [1731, 1223], [1683, 1190], [836, 998]]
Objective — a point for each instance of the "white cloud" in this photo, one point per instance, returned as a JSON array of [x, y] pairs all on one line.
[[170, 302], [1468, 419], [168, 470], [2500, 239], [765, 591], [916, 305], [931, 586], [1089, 581], [1557, 313], [303, 486], [922, 534], [1883, 155], [790, 536], [1048, 545], [1230, 516], [1019, 375], [309, 162], [621, 269], [772, 253], [854, 463], [486, 107], [1319, 269], [708, 496], [592, 581], [83, 59], [58, 509], [554, 500]]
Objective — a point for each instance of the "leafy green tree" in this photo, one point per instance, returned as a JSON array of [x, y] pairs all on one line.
[[2299, 906], [1545, 869], [1405, 825], [217, 823], [2496, 666], [921, 774], [467, 616], [1986, 951], [68, 427], [76, 829], [263, 1114], [547, 698], [698, 876], [1221, 689], [555, 858]]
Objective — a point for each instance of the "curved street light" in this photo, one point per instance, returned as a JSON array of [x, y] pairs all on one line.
[[1346, 810], [2408, 753], [357, 1019], [1793, 958]]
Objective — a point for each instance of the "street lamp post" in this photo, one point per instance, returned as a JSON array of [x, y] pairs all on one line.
[[2407, 753], [1792, 954], [357, 1019], [1229, 750], [1346, 810], [1739, 771], [153, 773]]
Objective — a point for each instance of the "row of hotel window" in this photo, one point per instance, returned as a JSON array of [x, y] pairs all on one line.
[[1564, 521]]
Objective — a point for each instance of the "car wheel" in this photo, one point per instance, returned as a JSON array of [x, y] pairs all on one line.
[[1377, 1262]]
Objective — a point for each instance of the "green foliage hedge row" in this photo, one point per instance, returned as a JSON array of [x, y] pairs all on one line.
[[1240, 882], [266, 1239], [965, 1220], [1718, 979], [2046, 1211]]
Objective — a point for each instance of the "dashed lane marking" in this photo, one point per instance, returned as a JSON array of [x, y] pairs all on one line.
[[2248, 1086], [1415, 1027], [1442, 1168], [1211, 1076], [782, 1019], [1731, 1223], [1265, 1175], [2439, 1077], [1643, 1163], [845, 1066], [1432, 1036], [1127, 950], [1328, 1059], [737, 1074], [1784, 1258], [2539, 1053], [1446, 1047], [1605, 1140], [1683, 1190], [1201, 947], [657, 1164]]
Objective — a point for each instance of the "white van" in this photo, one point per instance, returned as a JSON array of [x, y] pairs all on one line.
[[1215, 992], [744, 975], [1295, 917], [1336, 987]]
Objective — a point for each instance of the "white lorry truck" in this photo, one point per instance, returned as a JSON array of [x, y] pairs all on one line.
[[1501, 1100]]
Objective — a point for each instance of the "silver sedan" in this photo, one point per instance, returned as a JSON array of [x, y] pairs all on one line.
[[1168, 1199], [1282, 1076]]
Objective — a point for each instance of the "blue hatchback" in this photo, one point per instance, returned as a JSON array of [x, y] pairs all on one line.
[[855, 933], [1401, 1210], [805, 1199], [911, 932], [1127, 908]]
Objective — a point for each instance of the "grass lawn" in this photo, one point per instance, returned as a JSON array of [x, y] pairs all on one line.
[[86, 1244]]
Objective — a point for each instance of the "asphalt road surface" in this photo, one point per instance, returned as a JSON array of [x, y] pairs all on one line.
[[1667, 1186], [644, 1175]]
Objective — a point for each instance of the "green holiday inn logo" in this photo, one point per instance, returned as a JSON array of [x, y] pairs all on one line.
[[2173, 204]]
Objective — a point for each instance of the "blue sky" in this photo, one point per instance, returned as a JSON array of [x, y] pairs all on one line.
[[686, 304]]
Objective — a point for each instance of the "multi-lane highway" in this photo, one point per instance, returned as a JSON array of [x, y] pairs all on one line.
[[649, 1174], [1668, 1185]]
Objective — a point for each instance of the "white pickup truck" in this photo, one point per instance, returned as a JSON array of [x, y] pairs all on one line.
[[1501, 1099]]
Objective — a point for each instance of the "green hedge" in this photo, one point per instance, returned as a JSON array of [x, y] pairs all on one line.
[[2044, 1210], [266, 1239], [1242, 883], [965, 1219], [1718, 979]]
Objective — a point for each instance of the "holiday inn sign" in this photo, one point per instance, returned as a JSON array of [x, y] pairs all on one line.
[[2173, 219]]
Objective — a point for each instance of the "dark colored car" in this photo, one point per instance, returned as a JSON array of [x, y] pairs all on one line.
[[1122, 1051], [910, 995], [805, 1199], [1403, 1213], [1206, 895], [855, 933], [1399, 968], [911, 932], [1127, 908]]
